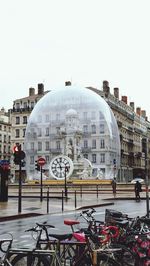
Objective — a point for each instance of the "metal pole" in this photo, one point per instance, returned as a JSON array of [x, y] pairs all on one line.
[[97, 190], [62, 200], [146, 177], [75, 199], [66, 192], [147, 191], [20, 189], [81, 191], [48, 199], [41, 195]]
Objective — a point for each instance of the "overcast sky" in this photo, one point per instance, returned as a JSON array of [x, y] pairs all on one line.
[[85, 41]]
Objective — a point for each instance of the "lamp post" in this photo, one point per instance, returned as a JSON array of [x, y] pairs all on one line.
[[66, 170], [146, 180], [144, 149]]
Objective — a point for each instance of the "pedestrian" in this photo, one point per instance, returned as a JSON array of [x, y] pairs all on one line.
[[114, 184], [137, 189]]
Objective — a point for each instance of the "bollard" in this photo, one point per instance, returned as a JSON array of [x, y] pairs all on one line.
[[48, 199], [97, 190], [75, 199], [80, 191], [62, 200]]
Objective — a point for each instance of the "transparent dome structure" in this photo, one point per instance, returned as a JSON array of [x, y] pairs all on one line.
[[76, 122]]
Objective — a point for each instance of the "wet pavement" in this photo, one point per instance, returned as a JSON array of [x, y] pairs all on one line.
[[52, 212]]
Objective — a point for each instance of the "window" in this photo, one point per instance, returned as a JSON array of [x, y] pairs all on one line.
[[101, 116], [93, 143], [4, 138], [24, 132], [17, 106], [39, 146], [39, 132], [17, 120], [17, 133], [32, 146], [85, 115], [102, 143], [46, 118], [58, 145], [32, 104], [93, 158], [47, 159], [85, 143], [102, 157], [47, 145], [47, 131], [102, 129], [85, 129], [24, 119], [93, 129], [4, 148], [31, 159], [85, 156], [39, 118], [25, 105]]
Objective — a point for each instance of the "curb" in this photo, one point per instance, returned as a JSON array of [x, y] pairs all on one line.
[[18, 216], [95, 205]]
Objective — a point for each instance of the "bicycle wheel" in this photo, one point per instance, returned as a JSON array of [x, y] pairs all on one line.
[[106, 260], [33, 260], [125, 256]]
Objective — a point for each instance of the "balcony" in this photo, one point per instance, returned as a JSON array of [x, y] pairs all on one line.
[[131, 154], [130, 141], [22, 110], [56, 151], [138, 154], [85, 150], [130, 129]]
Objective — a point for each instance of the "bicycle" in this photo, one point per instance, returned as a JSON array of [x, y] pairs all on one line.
[[25, 257]]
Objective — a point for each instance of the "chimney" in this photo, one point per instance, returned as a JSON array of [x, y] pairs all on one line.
[[132, 105], [31, 91], [138, 110], [116, 92], [143, 113], [40, 88], [124, 99], [67, 83], [106, 88]]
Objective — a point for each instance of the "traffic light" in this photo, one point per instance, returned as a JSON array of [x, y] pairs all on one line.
[[37, 167], [23, 163], [17, 157]]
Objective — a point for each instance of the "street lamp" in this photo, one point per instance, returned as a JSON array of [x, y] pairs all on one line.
[[144, 149], [66, 170]]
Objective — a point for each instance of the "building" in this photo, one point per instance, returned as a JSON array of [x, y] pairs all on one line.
[[133, 125], [5, 135], [19, 115]]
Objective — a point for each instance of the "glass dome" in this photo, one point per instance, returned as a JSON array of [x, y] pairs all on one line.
[[76, 122]]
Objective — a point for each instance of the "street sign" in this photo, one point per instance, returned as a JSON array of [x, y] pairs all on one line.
[[41, 161], [15, 148]]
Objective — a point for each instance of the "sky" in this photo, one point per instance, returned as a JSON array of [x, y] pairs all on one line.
[[85, 41]]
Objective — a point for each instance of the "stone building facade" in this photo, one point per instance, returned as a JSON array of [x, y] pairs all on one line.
[[133, 125], [5, 135]]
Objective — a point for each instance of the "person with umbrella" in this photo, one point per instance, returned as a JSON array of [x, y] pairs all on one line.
[[138, 189]]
